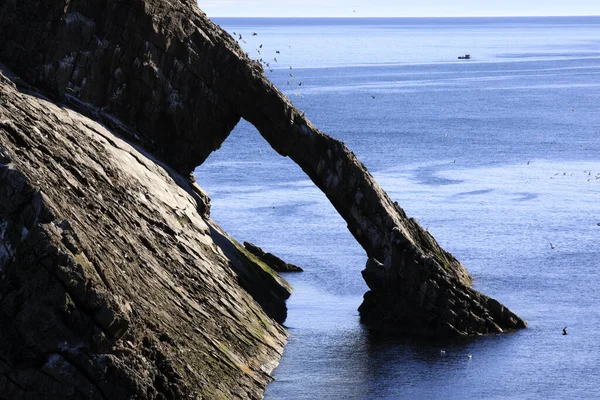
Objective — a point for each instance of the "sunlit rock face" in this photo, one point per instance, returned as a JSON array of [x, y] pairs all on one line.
[[114, 284]]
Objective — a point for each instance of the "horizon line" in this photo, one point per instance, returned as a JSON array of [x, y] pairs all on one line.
[[415, 17]]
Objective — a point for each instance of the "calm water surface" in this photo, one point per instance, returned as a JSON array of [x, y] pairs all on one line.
[[497, 156]]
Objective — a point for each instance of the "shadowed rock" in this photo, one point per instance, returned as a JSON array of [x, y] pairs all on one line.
[[271, 260]]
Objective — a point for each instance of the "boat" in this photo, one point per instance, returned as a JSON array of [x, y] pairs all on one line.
[[465, 57]]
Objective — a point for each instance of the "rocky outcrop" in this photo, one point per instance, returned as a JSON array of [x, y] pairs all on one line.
[[271, 260], [182, 83], [161, 67], [113, 283]]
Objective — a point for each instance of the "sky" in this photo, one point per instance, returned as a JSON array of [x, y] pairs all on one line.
[[397, 8]]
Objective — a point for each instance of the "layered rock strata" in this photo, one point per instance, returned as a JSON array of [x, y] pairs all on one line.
[[113, 285], [182, 83]]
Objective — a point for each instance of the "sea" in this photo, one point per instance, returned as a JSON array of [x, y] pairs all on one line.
[[497, 156]]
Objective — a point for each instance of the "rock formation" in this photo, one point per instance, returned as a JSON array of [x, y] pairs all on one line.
[[112, 283], [163, 75], [276, 263]]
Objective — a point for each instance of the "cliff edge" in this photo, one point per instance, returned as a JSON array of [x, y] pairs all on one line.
[[113, 282]]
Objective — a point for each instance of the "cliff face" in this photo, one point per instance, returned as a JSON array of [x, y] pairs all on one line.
[[112, 283], [159, 66], [177, 84]]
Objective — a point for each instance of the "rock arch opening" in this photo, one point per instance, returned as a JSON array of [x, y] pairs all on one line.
[[415, 286]]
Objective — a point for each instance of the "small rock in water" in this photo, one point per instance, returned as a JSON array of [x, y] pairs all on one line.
[[271, 260]]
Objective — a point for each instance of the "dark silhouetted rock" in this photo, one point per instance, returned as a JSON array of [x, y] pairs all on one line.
[[271, 260]]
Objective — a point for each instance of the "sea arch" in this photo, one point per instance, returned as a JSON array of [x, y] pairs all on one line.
[[182, 83]]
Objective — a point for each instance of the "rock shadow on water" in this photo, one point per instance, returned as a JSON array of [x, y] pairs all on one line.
[[429, 176], [474, 193], [430, 350], [525, 196]]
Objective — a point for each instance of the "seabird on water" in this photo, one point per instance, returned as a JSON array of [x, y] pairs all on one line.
[[564, 330]]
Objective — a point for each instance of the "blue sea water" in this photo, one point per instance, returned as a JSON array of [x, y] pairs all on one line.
[[497, 156]]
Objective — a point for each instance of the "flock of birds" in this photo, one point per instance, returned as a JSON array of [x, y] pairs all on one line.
[[266, 62], [589, 174], [470, 356]]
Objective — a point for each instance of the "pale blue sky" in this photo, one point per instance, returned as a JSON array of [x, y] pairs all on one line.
[[396, 8]]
